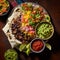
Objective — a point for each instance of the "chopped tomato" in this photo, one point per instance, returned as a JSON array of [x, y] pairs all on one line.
[[4, 10], [24, 4], [27, 8], [37, 20], [40, 9], [31, 32], [37, 45], [0, 0], [4, 5], [26, 20], [22, 19]]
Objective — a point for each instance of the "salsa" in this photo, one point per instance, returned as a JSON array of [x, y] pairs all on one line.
[[37, 45]]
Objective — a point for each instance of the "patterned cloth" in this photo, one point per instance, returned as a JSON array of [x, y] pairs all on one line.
[[16, 2]]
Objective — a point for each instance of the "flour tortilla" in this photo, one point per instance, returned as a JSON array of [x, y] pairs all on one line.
[[13, 41]]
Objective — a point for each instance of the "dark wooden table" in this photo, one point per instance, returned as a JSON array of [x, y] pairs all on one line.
[[53, 7]]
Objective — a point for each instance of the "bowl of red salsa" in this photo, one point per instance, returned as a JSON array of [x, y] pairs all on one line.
[[37, 45]]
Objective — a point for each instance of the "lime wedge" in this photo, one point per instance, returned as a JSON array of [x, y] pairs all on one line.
[[48, 46]]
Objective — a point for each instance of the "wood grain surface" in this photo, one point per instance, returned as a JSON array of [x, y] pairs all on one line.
[[53, 8]]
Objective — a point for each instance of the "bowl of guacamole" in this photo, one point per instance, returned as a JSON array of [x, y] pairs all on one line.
[[11, 54], [44, 30]]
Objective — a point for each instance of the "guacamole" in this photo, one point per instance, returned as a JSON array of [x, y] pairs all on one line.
[[11, 54], [44, 30]]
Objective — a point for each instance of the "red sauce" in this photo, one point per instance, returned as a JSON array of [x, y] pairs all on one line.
[[37, 45]]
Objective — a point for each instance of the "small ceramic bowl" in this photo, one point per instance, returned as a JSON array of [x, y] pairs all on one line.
[[42, 47], [39, 24], [3, 14]]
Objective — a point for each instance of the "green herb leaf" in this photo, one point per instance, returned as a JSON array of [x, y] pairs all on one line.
[[37, 16], [22, 7], [31, 22], [33, 16]]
